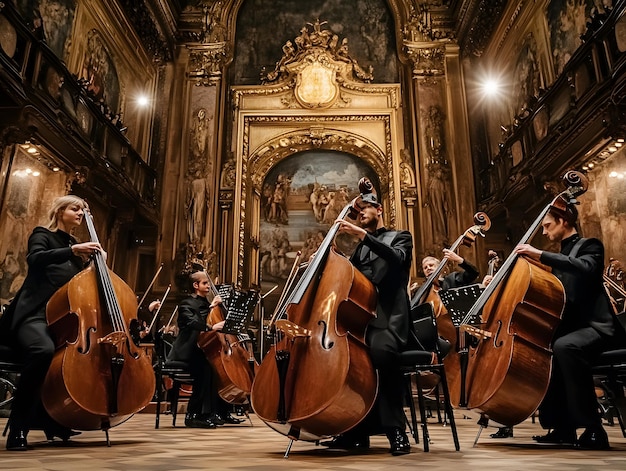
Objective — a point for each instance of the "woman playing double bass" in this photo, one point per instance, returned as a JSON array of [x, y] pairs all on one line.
[[384, 257], [54, 257], [587, 329]]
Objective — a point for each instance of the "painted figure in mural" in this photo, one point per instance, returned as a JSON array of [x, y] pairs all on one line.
[[11, 277], [197, 202], [55, 17], [200, 134], [318, 200], [274, 261], [267, 194], [279, 213], [437, 200], [571, 23]]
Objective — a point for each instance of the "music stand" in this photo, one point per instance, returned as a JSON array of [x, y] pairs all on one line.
[[459, 301], [241, 306]]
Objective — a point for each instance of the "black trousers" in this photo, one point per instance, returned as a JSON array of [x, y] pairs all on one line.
[[388, 410], [204, 397], [36, 346], [570, 401]]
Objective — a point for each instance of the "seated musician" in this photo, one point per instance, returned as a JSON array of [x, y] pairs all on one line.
[[384, 257], [588, 328], [205, 408], [54, 257], [455, 279]]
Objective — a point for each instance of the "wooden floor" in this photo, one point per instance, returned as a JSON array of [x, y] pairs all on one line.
[[137, 446]]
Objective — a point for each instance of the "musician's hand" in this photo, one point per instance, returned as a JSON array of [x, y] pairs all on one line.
[[154, 305], [216, 300], [528, 250], [349, 228], [218, 326], [450, 255], [487, 279]]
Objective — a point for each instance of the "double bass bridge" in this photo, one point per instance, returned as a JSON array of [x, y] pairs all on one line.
[[292, 331]]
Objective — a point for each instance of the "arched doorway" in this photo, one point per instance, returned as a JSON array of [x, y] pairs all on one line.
[[301, 197]]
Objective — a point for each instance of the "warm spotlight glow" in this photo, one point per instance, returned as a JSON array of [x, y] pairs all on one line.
[[28, 170], [491, 87], [36, 174], [55, 169], [613, 174], [143, 100], [32, 150]]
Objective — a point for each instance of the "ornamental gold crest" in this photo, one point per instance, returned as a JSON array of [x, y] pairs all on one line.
[[316, 86]]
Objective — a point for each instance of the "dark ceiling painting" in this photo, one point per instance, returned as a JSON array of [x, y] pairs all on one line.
[[367, 25]]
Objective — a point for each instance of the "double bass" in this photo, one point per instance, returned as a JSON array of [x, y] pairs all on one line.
[[454, 361], [317, 379], [230, 355], [98, 377], [510, 366]]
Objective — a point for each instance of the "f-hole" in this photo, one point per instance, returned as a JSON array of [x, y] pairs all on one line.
[[326, 343]]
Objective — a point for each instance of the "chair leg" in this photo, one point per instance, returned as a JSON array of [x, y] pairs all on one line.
[[420, 400], [159, 393], [174, 401], [448, 409], [6, 428], [413, 422], [617, 400]]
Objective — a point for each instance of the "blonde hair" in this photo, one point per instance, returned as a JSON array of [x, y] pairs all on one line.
[[59, 205], [430, 257]]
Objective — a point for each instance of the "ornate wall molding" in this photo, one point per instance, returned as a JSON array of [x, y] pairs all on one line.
[[206, 62], [427, 59]]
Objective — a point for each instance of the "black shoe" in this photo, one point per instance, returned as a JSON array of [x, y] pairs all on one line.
[[399, 442], [230, 419], [558, 437], [503, 432], [347, 442], [216, 419], [196, 421], [16, 441], [594, 438]]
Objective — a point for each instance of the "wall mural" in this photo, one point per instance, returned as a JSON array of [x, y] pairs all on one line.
[[567, 21], [30, 189], [367, 24], [100, 73], [51, 20], [301, 198], [528, 76]]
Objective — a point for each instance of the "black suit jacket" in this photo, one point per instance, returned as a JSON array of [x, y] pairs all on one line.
[[457, 279], [192, 314], [587, 303], [51, 264], [387, 265]]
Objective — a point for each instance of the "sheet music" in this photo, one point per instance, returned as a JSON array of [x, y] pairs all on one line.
[[240, 307], [458, 302]]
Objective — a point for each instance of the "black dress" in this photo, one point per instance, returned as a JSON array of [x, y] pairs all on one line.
[[51, 264]]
